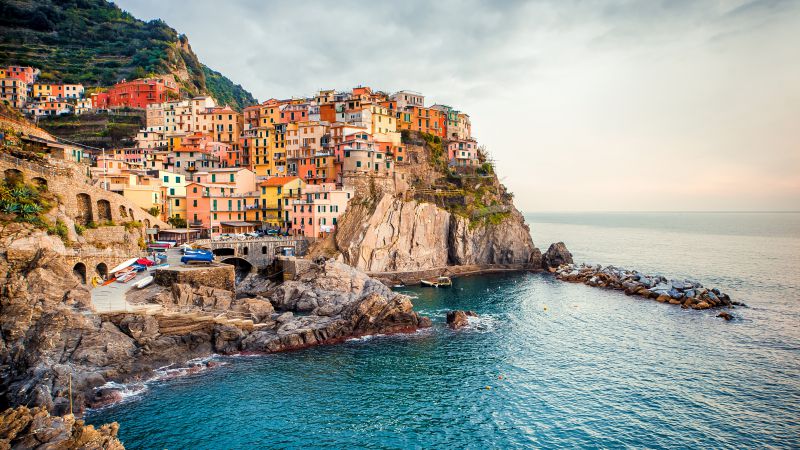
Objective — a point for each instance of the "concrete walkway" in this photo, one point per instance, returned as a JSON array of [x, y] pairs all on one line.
[[111, 298]]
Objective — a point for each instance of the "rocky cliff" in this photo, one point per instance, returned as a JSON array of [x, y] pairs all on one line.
[[430, 216], [396, 235]]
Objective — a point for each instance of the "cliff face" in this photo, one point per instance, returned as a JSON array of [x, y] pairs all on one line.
[[507, 242], [430, 216], [22, 427], [395, 236], [406, 236]]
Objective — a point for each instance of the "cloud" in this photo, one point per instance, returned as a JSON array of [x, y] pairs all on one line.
[[573, 98]]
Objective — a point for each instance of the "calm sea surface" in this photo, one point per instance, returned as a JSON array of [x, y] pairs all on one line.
[[548, 364]]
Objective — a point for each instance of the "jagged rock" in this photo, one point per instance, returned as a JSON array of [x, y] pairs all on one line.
[[227, 338], [259, 309], [725, 315], [459, 319], [23, 427], [508, 242], [556, 255]]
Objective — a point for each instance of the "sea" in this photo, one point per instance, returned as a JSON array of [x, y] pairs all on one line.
[[547, 364]]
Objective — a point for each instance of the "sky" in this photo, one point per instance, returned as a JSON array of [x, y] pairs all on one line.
[[598, 105]]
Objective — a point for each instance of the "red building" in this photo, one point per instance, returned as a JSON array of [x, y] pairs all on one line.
[[135, 94], [25, 74]]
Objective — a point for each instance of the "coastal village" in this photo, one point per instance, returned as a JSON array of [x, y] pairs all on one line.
[[284, 166]]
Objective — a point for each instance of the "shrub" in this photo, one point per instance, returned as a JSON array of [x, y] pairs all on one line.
[[79, 229], [132, 225], [59, 229]]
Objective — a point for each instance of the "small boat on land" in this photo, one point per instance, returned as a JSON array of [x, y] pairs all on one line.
[[124, 265], [144, 282], [126, 277], [159, 266], [437, 282]]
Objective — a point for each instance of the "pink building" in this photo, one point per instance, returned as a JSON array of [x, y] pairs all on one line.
[[462, 153], [316, 212]]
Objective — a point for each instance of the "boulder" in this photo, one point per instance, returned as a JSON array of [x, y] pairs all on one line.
[[457, 319], [556, 255], [725, 315]]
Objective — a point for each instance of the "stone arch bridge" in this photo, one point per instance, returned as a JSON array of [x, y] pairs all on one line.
[[259, 253]]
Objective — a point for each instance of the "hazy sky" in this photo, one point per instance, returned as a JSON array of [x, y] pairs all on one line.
[[584, 105]]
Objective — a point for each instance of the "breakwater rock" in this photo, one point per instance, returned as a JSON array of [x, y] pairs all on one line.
[[686, 293], [24, 427]]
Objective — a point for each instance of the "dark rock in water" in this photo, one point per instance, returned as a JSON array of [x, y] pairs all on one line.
[[725, 315], [556, 255], [675, 294], [458, 319]]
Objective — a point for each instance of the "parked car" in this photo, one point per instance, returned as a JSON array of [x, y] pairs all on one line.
[[273, 232]]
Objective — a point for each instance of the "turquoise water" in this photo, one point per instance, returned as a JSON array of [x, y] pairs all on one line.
[[566, 365]]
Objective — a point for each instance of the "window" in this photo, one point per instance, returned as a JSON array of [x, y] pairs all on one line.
[[213, 178], [215, 216], [178, 180], [358, 163], [215, 206], [347, 154], [171, 191], [194, 203], [177, 202], [166, 178]]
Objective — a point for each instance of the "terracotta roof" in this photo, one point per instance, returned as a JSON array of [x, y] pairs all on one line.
[[278, 181]]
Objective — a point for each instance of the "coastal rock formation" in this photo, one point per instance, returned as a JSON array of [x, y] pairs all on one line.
[[397, 235], [23, 428], [49, 334], [688, 294], [459, 319], [342, 302], [556, 255], [508, 242]]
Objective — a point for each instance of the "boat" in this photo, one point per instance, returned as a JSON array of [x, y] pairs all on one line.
[[127, 277], [109, 281], [186, 259], [144, 282], [159, 266], [124, 265], [437, 282]]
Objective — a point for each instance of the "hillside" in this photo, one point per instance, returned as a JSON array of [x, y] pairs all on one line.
[[95, 43]]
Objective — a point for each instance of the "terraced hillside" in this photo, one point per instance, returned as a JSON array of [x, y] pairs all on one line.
[[95, 43]]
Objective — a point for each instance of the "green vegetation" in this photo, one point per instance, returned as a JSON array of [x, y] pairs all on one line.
[[132, 225], [94, 42], [79, 229], [96, 130], [155, 211], [177, 222], [60, 230], [21, 202]]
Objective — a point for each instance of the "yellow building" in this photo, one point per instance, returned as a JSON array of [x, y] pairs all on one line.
[[276, 195], [145, 196], [42, 91], [174, 185], [261, 145]]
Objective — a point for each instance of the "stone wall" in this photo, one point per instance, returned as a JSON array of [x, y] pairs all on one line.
[[220, 276], [81, 200]]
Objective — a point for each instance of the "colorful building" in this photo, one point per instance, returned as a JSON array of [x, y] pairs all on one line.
[[462, 153], [14, 91], [316, 212], [135, 94], [275, 196], [22, 73]]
